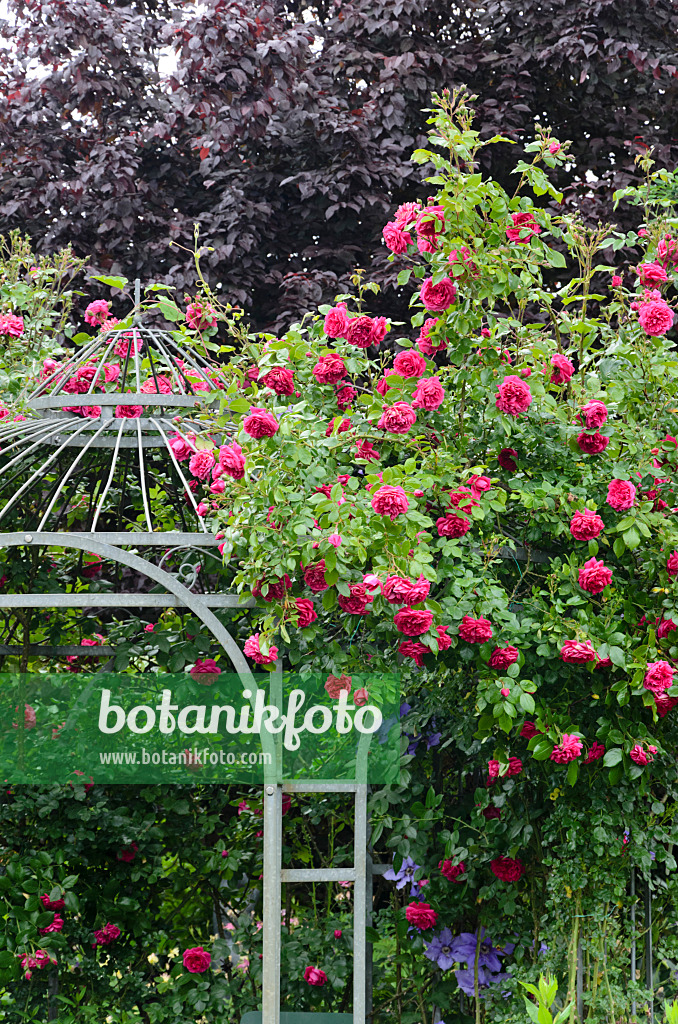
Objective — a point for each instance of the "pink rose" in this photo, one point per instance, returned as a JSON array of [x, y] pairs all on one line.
[[365, 450], [280, 379], [514, 396], [638, 755], [346, 396], [438, 297], [655, 317], [452, 871], [479, 484], [428, 394], [395, 238], [126, 854], [475, 631], [159, 385], [397, 418], [506, 869], [52, 904], [360, 697], [232, 460], [335, 685], [275, 588], [307, 613], [453, 525], [502, 657], [562, 369], [407, 213], [344, 425], [412, 621], [577, 653], [586, 525], [56, 926], [651, 273], [201, 464], [260, 423], [335, 540], [431, 222], [424, 343], [621, 495], [390, 501], [314, 577], [361, 332], [672, 564], [413, 649], [132, 412], [594, 576], [529, 730], [315, 976], [329, 369], [357, 601], [616, 281], [409, 364], [592, 444], [667, 251], [253, 651], [444, 641], [421, 915], [596, 751], [182, 447], [403, 591], [569, 748], [382, 385], [554, 147], [197, 960], [106, 935], [506, 459], [205, 671], [524, 226], [658, 677], [97, 312], [336, 322], [594, 414]]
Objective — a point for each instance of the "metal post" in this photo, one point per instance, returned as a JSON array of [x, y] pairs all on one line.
[[580, 982], [270, 980], [649, 972], [369, 949], [359, 904], [633, 940]]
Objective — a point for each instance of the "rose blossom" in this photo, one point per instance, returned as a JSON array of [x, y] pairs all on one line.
[[421, 915], [621, 494], [360, 697], [452, 871], [430, 222], [403, 591], [275, 588], [279, 379], [651, 273], [253, 651], [336, 322], [397, 418], [365, 450], [502, 657], [362, 332], [413, 649], [524, 226], [529, 730], [334, 685], [307, 613], [52, 904], [438, 297], [569, 748], [346, 396], [424, 343], [562, 369], [160, 385], [232, 460], [596, 751], [382, 385], [357, 601], [314, 577], [329, 369], [344, 425], [506, 459], [201, 464], [594, 414], [444, 641], [672, 564], [475, 631], [514, 396], [126, 854], [658, 677], [577, 653], [586, 525], [315, 976], [197, 960], [409, 364], [395, 238], [655, 317], [106, 935], [453, 525], [260, 423], [506, 869], [131, 412], [390, 501], [594, 576], [667, 251], [97, 312], [428, 394], [592, 444], [413, 622]]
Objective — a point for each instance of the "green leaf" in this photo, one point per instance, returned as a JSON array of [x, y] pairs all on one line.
[[112, 282], [169, 310], [555, 258], [631, 538], [526, 702], [612, 757], [572, 773], [616, 656]]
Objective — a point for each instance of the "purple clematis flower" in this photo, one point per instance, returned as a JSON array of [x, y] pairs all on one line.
[[464, 951], [486, 978], [406, 874], [440, 950], [434, 740]]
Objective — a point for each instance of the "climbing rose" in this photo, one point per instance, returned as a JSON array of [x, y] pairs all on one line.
[[197, 960], [409, 364], [452, 871], [346, 396], [357, 601], [438, 297], [524, 226], [314, 576], [260, 423], [616, 281], [336, 322], [507, 869], [453, 525], [159, 385], [479, 484], [658, 677], [360, 697], [203, 670], [567, 750], [444, 641], [596, 751], [275, 589], [395, 238], [529, 730], [475, 631], [506, 459], [655, 317], [390, 501], [315, 976], [576, 653], [428, 394], [402, 591], [667, 251], [398, 418], [365, 450], [363, 331], [413, 649], [106, 935], [621, 495], [594, 576], [413, 622], [334, 685], [51, 904], [56, 926], [421, 915], [430, 222], [639, 755], [341, 429], [232, 460], [329, 369], [514, 396], [131, 412], [586, 525], [252, 650], [200, 315], [280, 379], [126, 854], [97, 312], [592, 444], [201, 464], [562, 369], [11, 326], [672, 564], [424, 342], [651, 273], [502, 657]]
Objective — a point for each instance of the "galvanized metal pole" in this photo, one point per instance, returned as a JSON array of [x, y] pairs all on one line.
[[359, 904], [633, 940], [580, 982], [272, 895], [649, 971]]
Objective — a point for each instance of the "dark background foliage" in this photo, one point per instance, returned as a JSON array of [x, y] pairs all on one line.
[[285, 129]]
